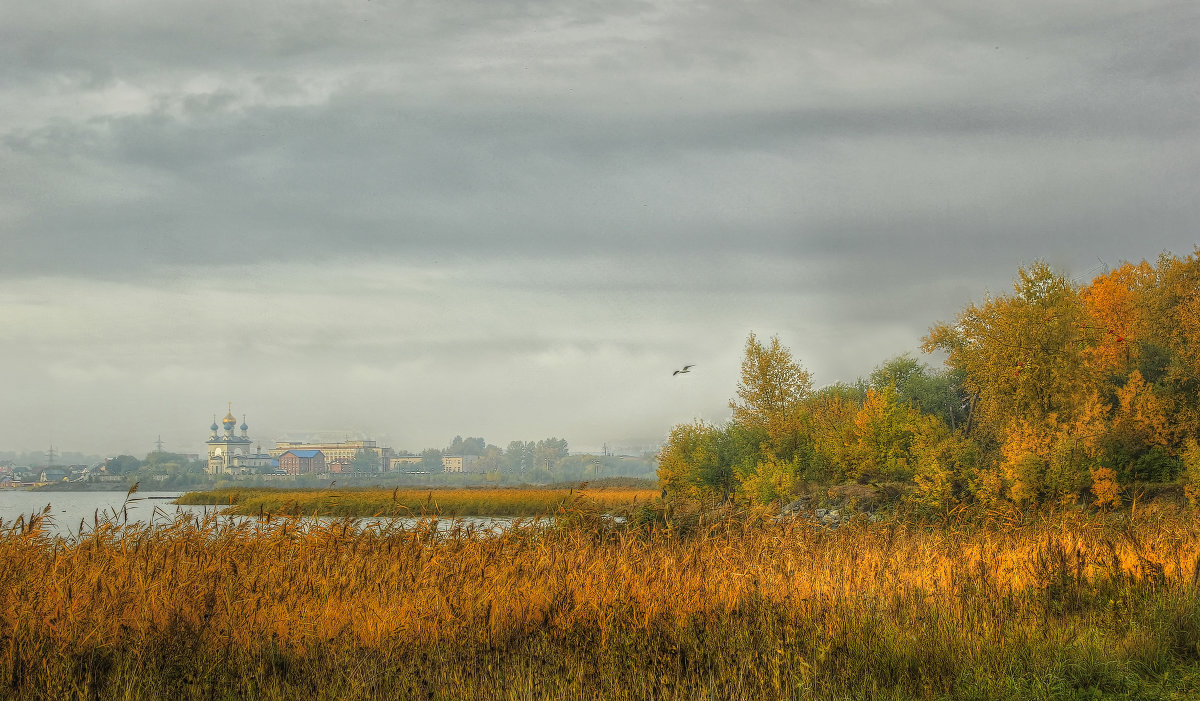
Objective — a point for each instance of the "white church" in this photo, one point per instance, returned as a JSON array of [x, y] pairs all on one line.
[[231, 454]]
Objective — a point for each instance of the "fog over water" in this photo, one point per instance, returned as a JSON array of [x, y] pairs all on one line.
[[410, 221]]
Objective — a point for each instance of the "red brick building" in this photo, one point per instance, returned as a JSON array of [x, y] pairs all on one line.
[[302, 462]]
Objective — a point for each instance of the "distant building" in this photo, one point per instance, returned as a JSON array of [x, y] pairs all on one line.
[[53, 474], [342, 466], [459, 463], [474, 464], [450, 463], [229, 453], [405, 463], [302, 462], [344, 452], [257, 462]]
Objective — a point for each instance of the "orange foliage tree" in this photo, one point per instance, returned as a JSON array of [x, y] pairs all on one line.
[[1116, 316]]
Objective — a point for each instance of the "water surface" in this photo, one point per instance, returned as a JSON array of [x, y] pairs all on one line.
[[67, 509]]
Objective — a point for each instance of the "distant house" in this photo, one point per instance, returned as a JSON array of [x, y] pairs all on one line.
[[302, 462], [405, 463], [53, 474], [254, 463]]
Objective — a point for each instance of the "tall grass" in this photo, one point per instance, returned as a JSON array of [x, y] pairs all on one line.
[[1055, 607], [374, 501]]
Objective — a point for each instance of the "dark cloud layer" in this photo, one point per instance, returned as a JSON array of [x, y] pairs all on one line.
[[841, 173]]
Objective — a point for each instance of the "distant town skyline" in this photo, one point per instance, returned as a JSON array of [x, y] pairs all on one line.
[[58, 456], [516, 220]]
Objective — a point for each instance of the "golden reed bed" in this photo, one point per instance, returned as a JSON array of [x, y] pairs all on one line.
[[744, 608], [368, 501]]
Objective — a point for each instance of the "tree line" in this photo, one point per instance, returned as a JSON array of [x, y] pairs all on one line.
[[1054, 393], [520, 456], [546, 460]]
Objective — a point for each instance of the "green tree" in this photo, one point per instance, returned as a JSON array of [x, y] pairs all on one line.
[[491, 459], [431, 460], [156, 458], [688, 459], [122, 464], [944, 465], [466, 446], [937, 393], [739, 450], [547, 453], [367, 461], [518, 457]]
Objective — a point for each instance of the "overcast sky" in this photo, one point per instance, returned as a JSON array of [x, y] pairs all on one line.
[[410, 220]]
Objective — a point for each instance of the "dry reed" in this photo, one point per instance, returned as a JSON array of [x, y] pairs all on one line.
[[1050, 607], [374, 501]]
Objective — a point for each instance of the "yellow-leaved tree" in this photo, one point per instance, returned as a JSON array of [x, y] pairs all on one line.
[[1021, 355], [690, 452], [1171, 360], [1023, 360], [831, 417], [944, 464], [772, 388], [1139, 421], [882, 437], [770, 400], [1191, 471]]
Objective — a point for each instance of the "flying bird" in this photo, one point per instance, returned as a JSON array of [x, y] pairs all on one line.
[[686, 368]]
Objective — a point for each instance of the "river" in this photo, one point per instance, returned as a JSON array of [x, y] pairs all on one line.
[[68, 508]]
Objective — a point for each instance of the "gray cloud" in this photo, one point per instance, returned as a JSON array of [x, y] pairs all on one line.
[[353, 210]]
